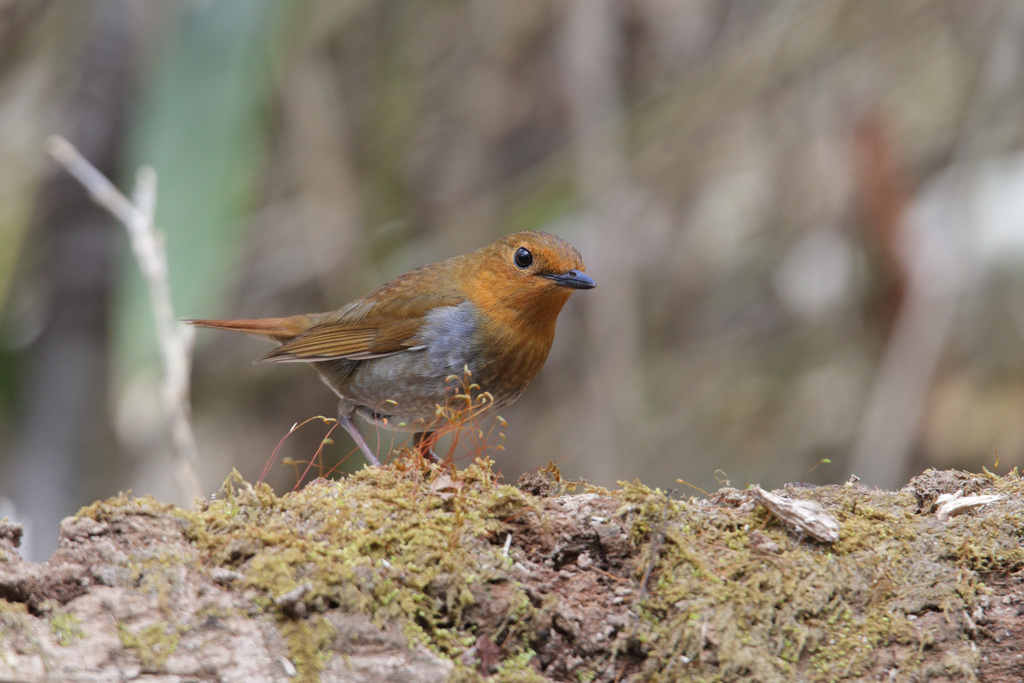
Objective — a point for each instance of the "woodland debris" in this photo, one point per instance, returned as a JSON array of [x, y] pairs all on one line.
[[806, 516]]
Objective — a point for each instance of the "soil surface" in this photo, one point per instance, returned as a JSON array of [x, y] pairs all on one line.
[[411, 574]]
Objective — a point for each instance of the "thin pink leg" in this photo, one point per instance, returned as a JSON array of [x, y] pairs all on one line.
[[350, 427]]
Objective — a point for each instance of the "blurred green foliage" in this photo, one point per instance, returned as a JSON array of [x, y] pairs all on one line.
[[203, 124]]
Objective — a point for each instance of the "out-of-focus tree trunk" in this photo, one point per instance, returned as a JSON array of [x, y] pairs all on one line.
[[64, 373]]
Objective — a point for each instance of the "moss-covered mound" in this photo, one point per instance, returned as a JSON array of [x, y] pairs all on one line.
[[456, 576], [421, 548], [736, 597]]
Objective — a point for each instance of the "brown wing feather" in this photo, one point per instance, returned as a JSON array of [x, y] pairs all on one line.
[[331, 341]]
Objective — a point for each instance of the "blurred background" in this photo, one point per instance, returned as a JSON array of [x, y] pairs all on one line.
[[806, 221]]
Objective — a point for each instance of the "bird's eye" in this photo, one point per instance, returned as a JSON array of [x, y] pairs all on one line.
[[523, 258]]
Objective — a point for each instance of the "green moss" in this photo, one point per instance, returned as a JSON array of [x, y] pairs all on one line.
[[421, 549], [14, 618], [392, 543], [991, 542], [517, 670], [124, 503], [810, 610], [12, 612], [307, 645], [152, 644], [67, 627]]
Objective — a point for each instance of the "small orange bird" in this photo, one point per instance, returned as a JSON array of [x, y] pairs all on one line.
[[387, 354]]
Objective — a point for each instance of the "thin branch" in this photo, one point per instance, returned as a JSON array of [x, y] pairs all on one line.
[[175, 339]]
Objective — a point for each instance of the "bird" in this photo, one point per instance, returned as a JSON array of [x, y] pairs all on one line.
[[388, 354]]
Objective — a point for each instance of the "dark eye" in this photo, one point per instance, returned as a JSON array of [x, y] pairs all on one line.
[[523, 257]]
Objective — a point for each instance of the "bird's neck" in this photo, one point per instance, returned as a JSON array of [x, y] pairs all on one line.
[[517, 327]]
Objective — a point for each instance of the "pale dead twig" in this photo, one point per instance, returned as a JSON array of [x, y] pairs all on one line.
[[174, 338], [952, 504]]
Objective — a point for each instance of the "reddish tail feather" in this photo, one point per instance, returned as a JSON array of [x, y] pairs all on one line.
[[280, 329]]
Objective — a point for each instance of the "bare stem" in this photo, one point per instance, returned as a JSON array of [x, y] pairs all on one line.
[[174, 338]]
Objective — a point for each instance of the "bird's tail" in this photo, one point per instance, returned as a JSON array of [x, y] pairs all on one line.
[[279, 329]]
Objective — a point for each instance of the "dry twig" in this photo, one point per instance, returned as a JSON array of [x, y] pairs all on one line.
[[952, 504], [175, 339]]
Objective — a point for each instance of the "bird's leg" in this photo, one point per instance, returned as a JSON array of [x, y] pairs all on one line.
[[346, 421], [424, 443]]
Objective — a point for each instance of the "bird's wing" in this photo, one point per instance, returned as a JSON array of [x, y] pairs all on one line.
[[331, 341], [384, 322]]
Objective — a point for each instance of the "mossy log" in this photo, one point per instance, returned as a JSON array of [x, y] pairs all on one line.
[[410, 572]]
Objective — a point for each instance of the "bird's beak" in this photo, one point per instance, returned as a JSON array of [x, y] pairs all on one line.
[[576, 279]]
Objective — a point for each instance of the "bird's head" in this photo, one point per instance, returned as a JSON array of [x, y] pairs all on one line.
[[525, 278]]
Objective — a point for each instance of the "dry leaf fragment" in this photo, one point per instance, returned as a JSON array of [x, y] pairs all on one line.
[[444, 487], [806, 516]]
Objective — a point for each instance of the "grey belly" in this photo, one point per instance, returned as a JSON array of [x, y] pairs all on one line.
[[401, 392]]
